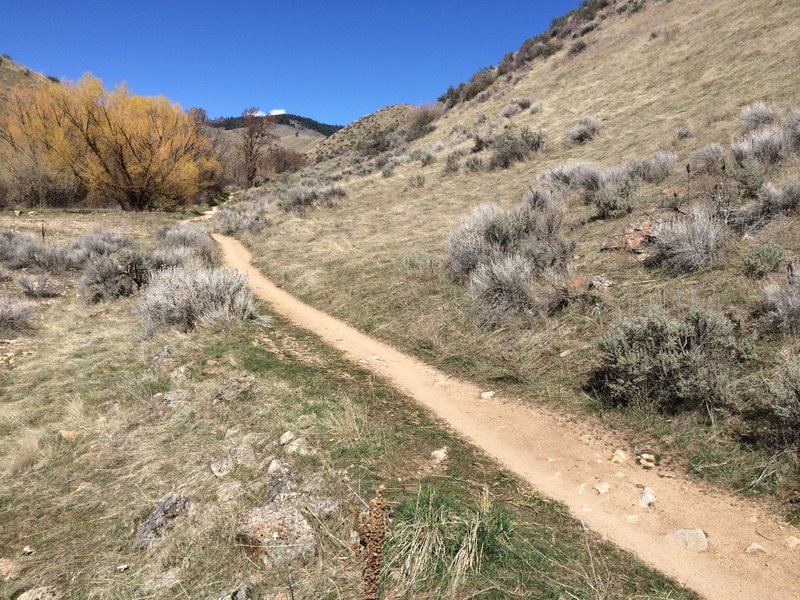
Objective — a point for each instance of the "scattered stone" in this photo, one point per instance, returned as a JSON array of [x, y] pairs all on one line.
[[228, 492], [317, 505], [599, 282], [9, 568], [440, 456], [693, 540], [619, 457], [287, 437], [565, 353], [635, 237], [162, 360], [17, 213], [161, 519], [40, 593], [487, 395], [223, 467], [244, 591], [162, 581], [27, 551], [648, 497], [280, 479], [122, 568], [276, 534], [180, 373], [648, 461], [245, 455], [755, 548], [175, 398], [299, 446], [602, 488]]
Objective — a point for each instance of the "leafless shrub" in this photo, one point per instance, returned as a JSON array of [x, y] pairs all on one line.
[[38, 286], [192, 236], [195, 296], [654, 169], [780, 306], [772, 202], [417, 180], [123, 273], [587, 129], [758, 115], [14, 317], [768, 145], [687, 244], [684, 131], [708, 159]]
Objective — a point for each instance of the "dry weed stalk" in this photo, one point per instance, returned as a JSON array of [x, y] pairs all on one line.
[[371, 529]]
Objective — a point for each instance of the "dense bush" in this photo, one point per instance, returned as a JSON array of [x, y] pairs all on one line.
[[669, 364], [780, 306], [758, 115], [750, 177], [575, 175], [117, 275], [191, 236], [761, 260], [617, 201], [38, 286], [654, 169], [195, 296], [708, 159], [768, 145], [452, 162], [587, 129], [474, 164], [511, 147], [14, 317], [772, 202], [25, 251], [687, 244], [242, 216], [421, 123], [500, 288], [577, 48]]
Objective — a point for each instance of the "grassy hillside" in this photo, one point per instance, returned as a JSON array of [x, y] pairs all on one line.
[[13, 74], [667, 76], [101, 421]]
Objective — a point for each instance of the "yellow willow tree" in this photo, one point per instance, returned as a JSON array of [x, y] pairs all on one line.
[[137, 151]]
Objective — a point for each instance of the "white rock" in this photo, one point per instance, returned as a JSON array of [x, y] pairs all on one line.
[[27, 551], [222, 468], [619, 457], [287, 437], [602, 488], [792, 541], [299, 446], [439, 456], [755, 548], [487, 395], [648, 497], [693, 540]]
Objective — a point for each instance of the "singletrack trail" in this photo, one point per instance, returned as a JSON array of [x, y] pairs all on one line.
[[563, 461]]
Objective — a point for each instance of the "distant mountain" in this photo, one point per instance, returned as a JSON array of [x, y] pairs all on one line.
[[285, 119]]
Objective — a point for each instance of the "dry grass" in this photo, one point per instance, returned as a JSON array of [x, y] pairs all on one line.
[[642, 90]]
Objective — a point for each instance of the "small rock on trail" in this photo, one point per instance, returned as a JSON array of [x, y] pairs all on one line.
[[161, 519], [755, 548], [693, 540], [648, 497], [287, 437]]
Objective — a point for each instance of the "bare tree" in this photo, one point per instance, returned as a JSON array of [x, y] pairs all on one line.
[[256, 138]]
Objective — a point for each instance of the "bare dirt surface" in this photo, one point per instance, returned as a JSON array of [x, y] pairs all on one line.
[[565, 462]]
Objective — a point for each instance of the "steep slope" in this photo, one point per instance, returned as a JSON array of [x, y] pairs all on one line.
[[13, 74]]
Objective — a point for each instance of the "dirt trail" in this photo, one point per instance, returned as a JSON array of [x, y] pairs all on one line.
[[564, 462]]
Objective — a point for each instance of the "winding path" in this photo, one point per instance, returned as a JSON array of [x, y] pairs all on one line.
[[565, 462]]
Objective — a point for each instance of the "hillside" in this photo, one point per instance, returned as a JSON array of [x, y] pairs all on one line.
[[648, 77], [285, 119], [13, 74], [350, 137]]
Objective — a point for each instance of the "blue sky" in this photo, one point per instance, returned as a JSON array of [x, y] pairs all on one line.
[[332, 61]]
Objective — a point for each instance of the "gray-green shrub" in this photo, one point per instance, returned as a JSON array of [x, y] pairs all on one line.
[[38, 286], [689, 243], [708, 159], [119, 274], [669, 364], [768, 145], [616, 201], [511, 147], [779, 308], [195, 296], [587, 129], [15, 317], [761, 260], [758, 115]]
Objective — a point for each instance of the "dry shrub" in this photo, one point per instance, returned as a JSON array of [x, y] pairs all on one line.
[[119, 274], [616, 201], [511, 147], [708, 159], [417, 180], [587, 129], [195, 296], [768, 145], [25, 251], [15, 317], [779, 308], [38, 286], [761, 260], [792, 125], [773, 201], [250, 216], [191, 236], [654, 169], [689, 243], [474, 164], [758, 115], [574, 175], [97, 244]]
